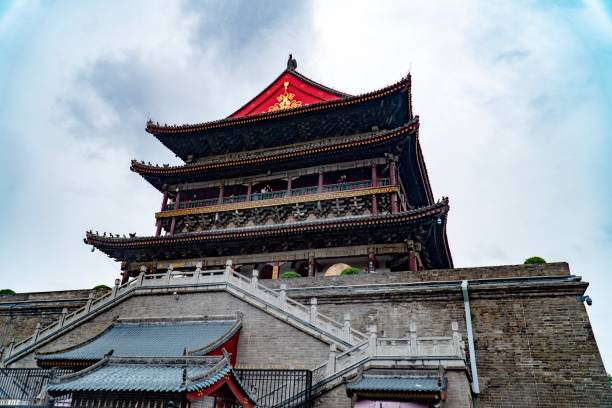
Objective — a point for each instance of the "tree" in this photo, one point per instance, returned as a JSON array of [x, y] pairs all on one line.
[[7, 292], [534, 260], [101, 287]]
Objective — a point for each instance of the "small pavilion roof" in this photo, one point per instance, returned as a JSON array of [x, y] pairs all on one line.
[[397, 384], [430, 388], [151, 375], [150, 338]]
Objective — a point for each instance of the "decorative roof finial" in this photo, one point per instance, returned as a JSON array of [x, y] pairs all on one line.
[[291, 63]]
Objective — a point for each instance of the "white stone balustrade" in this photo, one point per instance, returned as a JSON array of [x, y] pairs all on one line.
[[408, 348], [248, 289]]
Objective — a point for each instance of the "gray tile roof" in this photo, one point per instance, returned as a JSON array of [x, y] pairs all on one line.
[[140, 376], [151, 339], [397, 384], [176, 375]]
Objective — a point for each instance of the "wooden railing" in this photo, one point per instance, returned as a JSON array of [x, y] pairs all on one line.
[[353, 185]]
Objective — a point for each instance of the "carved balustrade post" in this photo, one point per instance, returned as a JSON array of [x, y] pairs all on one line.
[[254, 279], [169, 274], [63, 318], [198, 271], [115, 288], [313, 310], [331, 362], [373, 340], [228, 269], [36, 332], [90, 300], [347, 327], [282, 295], [414, 346], [141, 277]]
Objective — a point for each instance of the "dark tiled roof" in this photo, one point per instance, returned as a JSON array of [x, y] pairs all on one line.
[[151, 339], [184, 374], [397, 384], [144, 375]]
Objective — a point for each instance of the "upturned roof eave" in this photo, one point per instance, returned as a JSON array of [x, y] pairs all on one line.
[[438, 209], [156, 129], [307, 150]]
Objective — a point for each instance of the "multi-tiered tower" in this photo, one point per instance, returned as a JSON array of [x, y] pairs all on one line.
[[301, 178]]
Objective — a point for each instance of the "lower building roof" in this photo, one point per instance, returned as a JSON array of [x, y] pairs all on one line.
[[150, 375], [398, 384], [392, 227], [151, 338]]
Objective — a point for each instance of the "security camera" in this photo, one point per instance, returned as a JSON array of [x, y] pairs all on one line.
[[586, 299]]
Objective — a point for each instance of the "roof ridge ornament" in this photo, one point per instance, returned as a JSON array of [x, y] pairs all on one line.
[[291, 63]]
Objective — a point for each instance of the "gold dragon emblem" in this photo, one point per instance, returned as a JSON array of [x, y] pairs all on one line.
[[285, 101]]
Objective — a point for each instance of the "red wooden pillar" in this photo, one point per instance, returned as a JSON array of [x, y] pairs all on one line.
[[163, 208], [371, 260], [289, 178], [394, 208], [374, 176], [177, 201], [412, 261], [220, 194], [249, 188], [320, 182], [392, 173]]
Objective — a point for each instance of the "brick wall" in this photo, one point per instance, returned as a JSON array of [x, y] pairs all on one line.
[[20, 313], [534, 342], [264, 340]]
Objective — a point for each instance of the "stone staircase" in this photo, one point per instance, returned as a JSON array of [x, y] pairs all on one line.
[[339, 335]]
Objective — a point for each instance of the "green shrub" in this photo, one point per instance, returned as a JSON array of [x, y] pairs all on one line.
[[101, 287], [534, 260], [7, 292], [351, 271], [290, 275]]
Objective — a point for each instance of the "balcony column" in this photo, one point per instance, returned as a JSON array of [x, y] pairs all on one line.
[[249, 189], [177, 201], [320, 182], [289, 178], [220, 194], [163, 208], [392, 173], [412, 261], [374, 176], [394, 207]]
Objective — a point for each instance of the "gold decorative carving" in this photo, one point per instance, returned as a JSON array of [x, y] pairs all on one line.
[[278, 201], [285, 101]]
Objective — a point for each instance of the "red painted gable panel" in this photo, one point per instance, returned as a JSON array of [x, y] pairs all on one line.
[[288, 91]]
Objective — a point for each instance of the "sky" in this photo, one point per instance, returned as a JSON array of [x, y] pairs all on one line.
[[514, 100]]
